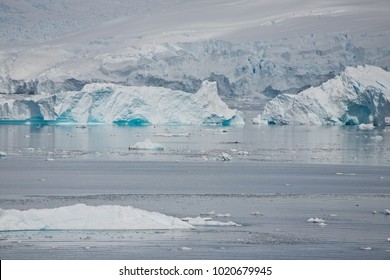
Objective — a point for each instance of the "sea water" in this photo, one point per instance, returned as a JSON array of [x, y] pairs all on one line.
[[269, 180]]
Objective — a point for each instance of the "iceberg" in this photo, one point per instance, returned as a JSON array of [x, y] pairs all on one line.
[[84, 217], [359, 95], [123, 105]]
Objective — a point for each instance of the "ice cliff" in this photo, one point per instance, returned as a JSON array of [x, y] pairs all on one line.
[[358, 95], [123, 105], [246, 69]]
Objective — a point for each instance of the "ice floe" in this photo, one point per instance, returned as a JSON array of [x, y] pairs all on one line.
[[84, 217]]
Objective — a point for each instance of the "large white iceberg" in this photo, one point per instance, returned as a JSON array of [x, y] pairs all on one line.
[[84, 217], [125, 105], [358, 95]]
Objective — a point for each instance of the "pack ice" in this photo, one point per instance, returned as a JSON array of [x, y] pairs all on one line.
[[124, 105], [359, 95], [84, 217]]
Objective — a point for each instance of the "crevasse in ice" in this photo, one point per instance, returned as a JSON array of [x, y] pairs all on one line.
[[123, 105], [358, 95]]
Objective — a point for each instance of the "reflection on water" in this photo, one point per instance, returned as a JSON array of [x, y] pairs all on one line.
[[300, 144]]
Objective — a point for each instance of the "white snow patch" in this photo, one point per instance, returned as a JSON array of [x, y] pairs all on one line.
[[84, 217]]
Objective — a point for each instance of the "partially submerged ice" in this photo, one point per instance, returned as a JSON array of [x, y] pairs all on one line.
[[84, 217], [123, 105], [358, 95]]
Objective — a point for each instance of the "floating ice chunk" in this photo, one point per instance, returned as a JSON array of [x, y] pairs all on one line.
[[147, 145], [365, 248], [377, 138], [187, 134], [3, 154], [255, 213], [224, 157], [227, 215], [84, 217], [210, 213], [374, 212], [315, 220], [185, 249], [387, 212], [207, 221], [243, 153], [388, 239], [366, 126], [322, 224]]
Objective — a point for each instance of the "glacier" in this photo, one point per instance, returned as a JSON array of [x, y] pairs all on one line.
[[359, 95], [85, 217], [122, 105]]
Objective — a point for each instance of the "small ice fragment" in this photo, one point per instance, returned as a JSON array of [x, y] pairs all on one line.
[[3, 154], [365, 248], [315, 220], [322, 224], [387, 212], [243, 153], [374, 212], [210, 213], [201, 221], [147, 145], [388, 239], [255, 213], [49, 159], [42, 180], [333, 215], [26, 136], [205, 158], [227, 215], [366, 126], [224, 157], [377, 138], [185, 249]]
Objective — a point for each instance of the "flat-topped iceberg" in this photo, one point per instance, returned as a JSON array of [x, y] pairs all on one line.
[[123, 105], [84, 217], [358, 95]]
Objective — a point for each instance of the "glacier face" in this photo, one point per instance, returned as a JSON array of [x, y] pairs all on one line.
[[358, 95], [123, 105], [246, 69]]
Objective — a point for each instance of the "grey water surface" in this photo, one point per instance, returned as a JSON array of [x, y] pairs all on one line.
[[270, 180]]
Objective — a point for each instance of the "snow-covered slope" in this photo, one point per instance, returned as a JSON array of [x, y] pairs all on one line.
[[249, 47], [84, 217], [111, 103], [359, 95]]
